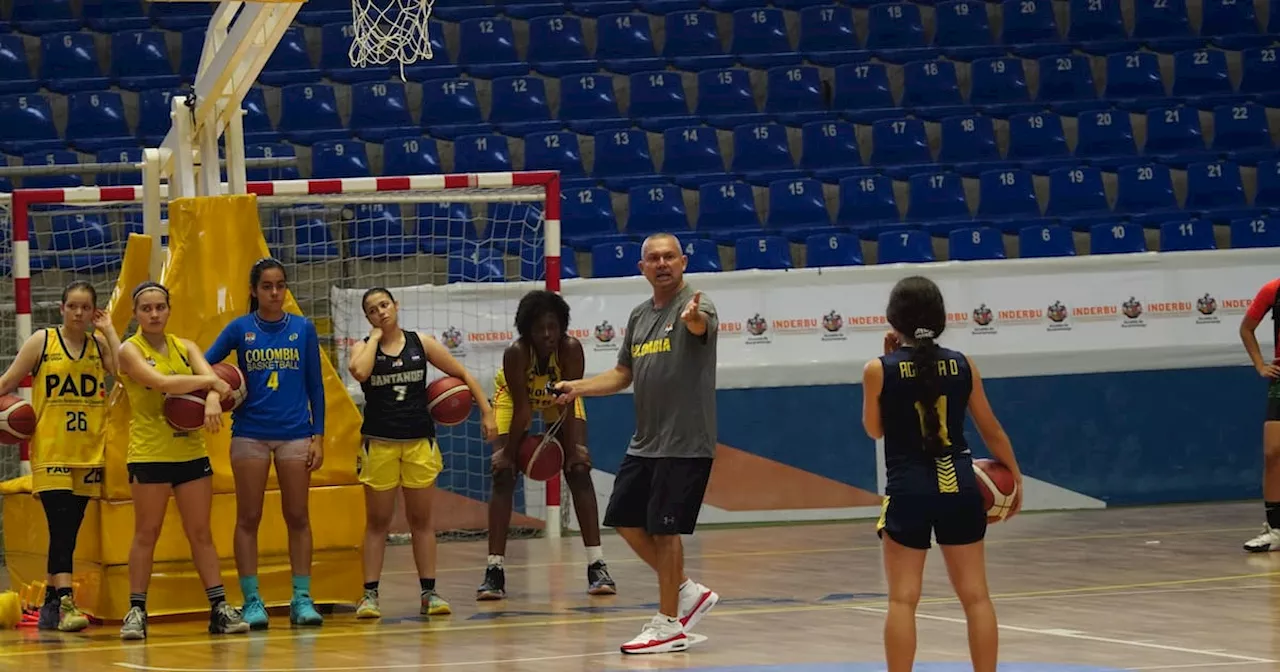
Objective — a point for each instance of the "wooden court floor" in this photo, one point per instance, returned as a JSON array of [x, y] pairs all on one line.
[[1159, 588]]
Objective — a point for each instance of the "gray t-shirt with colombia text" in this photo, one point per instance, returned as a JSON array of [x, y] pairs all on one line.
[[673, 378]]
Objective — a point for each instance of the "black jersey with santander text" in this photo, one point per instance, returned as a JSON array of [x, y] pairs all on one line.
[[395, 395]]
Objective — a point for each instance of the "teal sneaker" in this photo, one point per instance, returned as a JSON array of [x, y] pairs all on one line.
[[254, 613], [302, 611]]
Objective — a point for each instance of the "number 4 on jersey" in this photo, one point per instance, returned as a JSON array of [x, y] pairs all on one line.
[[274, 381]]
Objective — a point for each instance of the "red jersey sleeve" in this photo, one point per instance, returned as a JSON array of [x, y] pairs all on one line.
[[1264, 301]]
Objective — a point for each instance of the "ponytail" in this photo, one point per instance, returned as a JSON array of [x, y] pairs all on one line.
[[255, 274], [924, 357]]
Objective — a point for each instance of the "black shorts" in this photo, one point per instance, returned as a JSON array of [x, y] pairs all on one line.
[[954, 519], [663, 495], [169, 473], [1273, 401]]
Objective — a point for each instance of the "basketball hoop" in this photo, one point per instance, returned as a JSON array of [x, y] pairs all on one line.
[[389, 30]]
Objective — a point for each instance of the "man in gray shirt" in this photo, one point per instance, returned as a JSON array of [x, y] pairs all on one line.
[[669, 352]]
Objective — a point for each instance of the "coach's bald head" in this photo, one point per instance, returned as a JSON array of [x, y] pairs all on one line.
[[662, 261]]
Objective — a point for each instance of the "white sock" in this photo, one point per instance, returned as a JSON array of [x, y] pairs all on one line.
[[495, 560], [594, 554], [671, 620]]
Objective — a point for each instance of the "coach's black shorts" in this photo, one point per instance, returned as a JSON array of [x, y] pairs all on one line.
[[663, 495], [169, 473], [1273, 401], [954, 519]]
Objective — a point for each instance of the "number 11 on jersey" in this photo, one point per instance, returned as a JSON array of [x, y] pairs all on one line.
[[941, 406]]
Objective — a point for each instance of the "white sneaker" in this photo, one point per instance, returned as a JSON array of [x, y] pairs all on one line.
[[1269, 540], [695, 601], [659, 635]]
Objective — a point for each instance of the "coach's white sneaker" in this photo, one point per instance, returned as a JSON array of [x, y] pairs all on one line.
[[695, 601], [1269, 540], [659, 635]]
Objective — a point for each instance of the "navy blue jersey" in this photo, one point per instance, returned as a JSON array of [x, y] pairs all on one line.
[[909, 467], [395, 394]]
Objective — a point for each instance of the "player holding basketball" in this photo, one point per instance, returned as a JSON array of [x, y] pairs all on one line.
[[1267, 300], [669, 352], [915, 396], [543, 355], [163, 460], [282, 416], [399, 448], [68, 367]]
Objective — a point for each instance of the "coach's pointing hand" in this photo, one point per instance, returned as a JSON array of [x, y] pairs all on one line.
[[692, 317]]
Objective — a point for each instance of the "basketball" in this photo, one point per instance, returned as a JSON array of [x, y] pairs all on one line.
[[995, 481], [541, 462], [17, 419], [449, 401], [185, 412], [233, 377]]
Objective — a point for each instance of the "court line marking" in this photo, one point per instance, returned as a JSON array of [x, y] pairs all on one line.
[[449, 627], [846, 549], [1072, 634], [1234, 663], [358, 668]]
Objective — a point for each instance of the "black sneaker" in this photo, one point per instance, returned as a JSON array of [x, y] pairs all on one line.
[[598, 580], [49, 615], [225, 619], [494, 586]]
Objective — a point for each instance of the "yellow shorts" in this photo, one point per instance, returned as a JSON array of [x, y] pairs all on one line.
[[503, 409], [83, 481], [384, 465]]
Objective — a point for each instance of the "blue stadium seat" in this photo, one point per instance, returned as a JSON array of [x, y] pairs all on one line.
[[378, 233], [484, 153], [1028, 21], [38, 17], [764, 252], [1116, 238], [898, 142], [936, 200], [1227, 17], [441, 65], [533, 266], [257, 122], [95, 120], [514, 228], [180, 16], [894, 25], [624, 44], [588, 103], [760, 38], [703, 255], [623, 159], [1161, 19], [1133, 75], [960, 24], [289, 61], [1241, 126], [795, 95], [909, 246], [488, 49], [153, 116], [1186, 235], [312, 235], [1173, 131], [1104, 133], [725, 98], [798, 208], [1037, 135], [1267, 192], [271, 151], [1066, 77], [474, 263], [615, 260], [339, 158], [968, 141], [658, 101], [1007, 195], [829, 150], [691, 155], [380, 110], [140, 60], [826, 250], [1260, 69], [26, 124], [1200, 72], [88, 238], [827, 35], [120, 155], [410, 155], [51, 157], [335, 58], [1143, 188], [654, 208], [726, 211], [586, 217], [1095, 21], [309, 113], [554, 150], [69, 62], [1076, 190], [520, 106], [191, 51], [450, 108], [862, 86], [1214, 185], [927, 83], [557, 46], [15, 68], [998, 80], [867, 203], [761, 154], [446, 228], [974, 244], [1045, 241], [1249, 232], [693, 41]]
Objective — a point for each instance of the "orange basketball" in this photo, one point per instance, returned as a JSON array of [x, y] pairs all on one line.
[[449, 401], [17, 419], [995, 481], [539, 461], [233, 377], [185, 412]]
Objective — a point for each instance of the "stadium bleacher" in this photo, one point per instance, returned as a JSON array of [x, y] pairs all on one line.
[[769, 133]]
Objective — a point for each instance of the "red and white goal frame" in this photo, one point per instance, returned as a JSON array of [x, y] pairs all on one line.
[[516, 186]]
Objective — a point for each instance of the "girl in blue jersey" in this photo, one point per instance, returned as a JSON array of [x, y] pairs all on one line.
[[916, 397], [282, 416]]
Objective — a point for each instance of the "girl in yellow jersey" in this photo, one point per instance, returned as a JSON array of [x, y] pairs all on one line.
[[68, 368], [163, 460]]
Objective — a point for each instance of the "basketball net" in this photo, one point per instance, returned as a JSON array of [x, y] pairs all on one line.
[[390, 30]]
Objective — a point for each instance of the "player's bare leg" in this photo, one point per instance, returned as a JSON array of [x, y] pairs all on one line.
[[904, 569], [150, 501], [1269, 540], [419, 511], [295, 484], [967, 568], [379, 507], [501, 501], [195, 501], [577, 476], [251, 483]]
